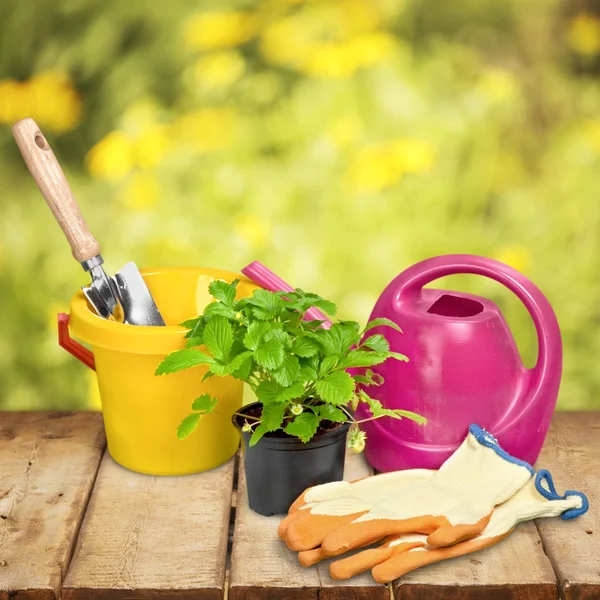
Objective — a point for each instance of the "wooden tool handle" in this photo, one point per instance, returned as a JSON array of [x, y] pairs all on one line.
[[51, 180]]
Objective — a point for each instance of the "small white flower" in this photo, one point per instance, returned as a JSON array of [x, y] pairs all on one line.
[[246, 428], [297, 409]]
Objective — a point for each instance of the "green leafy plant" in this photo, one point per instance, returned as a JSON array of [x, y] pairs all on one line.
[[296, 368]]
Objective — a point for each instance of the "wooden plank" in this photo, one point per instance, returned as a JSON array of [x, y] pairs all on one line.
[[262, 568], [48, 463], [572, 455], [515, 568], [147, 537]]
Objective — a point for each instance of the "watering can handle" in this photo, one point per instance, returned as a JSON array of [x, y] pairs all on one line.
[[416, 277]]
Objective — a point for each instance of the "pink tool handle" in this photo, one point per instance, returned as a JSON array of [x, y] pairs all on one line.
[[264, 277], [71, 346]]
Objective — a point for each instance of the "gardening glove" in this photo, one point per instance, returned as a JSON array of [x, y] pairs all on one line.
[[404, 553], [453, 505]]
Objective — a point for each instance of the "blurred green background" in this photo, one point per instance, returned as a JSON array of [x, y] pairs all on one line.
[[337, 141]]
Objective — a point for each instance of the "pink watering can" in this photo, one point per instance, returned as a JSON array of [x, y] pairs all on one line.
[[464, 367]]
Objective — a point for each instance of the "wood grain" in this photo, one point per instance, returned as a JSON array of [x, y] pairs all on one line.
[[263, 568], [48, 463], [515, 568], [152, 537], [55, 189], [572, 455]]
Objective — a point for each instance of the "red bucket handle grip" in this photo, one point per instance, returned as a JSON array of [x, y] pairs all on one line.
[[71, 346]]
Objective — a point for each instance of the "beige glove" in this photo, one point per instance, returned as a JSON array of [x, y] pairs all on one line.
[[404, 553], [452, 505]]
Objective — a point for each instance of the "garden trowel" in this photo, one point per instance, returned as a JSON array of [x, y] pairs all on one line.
[[124, 297]]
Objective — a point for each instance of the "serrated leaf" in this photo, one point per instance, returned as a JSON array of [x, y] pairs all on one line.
[[332, 413], [336, 388], [327, 364], [339, 338], [218, 337], [362, 358], [207, 375], [288, 372], [190, 323], [266, 300], [257, 434], [205, 403], [305, 346], [398, 356], [307, 373], [272, 416], [268, 392], [280, 335], [244, 370], [217, 308], [292, 392], [255, 334], [237, 361], [382, 321], [377, 342], [188, 425], [270, 354], [223, 291], [194, 341], [183, 359], [304, 426]]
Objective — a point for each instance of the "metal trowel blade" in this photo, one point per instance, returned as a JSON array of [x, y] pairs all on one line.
[[135, 298]]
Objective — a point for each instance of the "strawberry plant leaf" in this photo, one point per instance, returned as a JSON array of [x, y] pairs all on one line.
[[332, 413], [257, 434], [272, 416], [304, 426], [270, 354], [305, 347], [223, 291], [188, 425], [255, 334], [218, 337], [288, 372], [327, 364], [183, 359], [362, 358], [382, 321], [336, 388], [377, 342], [205, 403]]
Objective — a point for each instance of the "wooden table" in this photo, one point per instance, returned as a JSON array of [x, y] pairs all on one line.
[[76, 525]]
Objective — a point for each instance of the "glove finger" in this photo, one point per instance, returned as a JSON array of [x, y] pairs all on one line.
[[353, 535], [308, 558], [400, 564], [448, 535], [306, 531], [368, 559]]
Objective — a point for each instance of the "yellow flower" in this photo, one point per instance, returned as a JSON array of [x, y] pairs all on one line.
[[56, 103], [112, 158], [220, 29], [142, 192], [15, 101], [583, 34], [150, 146], [517, 257], [207, 129], [219, 70], [252, 229], [328, 39], [499, 86], [381, 165]]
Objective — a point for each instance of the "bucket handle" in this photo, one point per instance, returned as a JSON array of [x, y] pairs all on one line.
[[70, 345]]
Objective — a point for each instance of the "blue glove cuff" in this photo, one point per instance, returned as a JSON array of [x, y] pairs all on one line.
[[549, 492], [487, 439]]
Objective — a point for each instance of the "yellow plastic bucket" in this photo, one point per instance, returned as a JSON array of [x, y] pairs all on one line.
[[142, 411]]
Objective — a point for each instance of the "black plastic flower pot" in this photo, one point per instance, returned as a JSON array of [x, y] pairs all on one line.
[[279, 469]]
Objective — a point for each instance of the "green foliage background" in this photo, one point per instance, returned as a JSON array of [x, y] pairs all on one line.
[[336, 141]]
